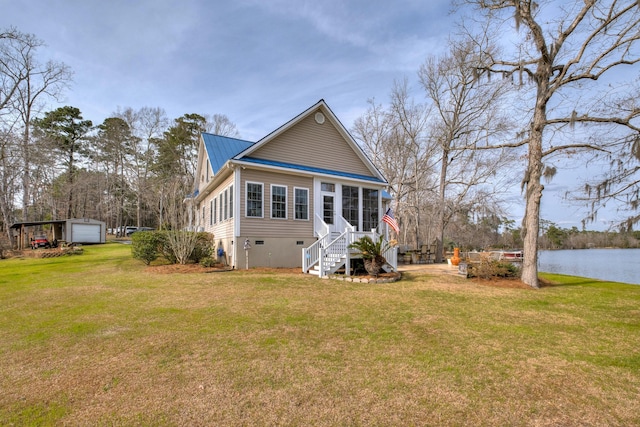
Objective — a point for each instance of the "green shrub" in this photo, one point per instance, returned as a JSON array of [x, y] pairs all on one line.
[[178, 246], [486, 269], [208, 262], [164, 248], [203, 248], [144, 246]]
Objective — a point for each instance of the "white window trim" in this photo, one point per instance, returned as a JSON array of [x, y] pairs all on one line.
[[294, 203], [286, 201], [246, 199]]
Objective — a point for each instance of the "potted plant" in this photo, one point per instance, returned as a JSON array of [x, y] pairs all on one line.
[[372, 253]]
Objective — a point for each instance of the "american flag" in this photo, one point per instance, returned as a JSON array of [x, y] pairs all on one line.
[[389, 219]]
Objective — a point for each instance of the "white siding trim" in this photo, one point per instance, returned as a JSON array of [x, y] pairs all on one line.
[[326, 177], [237, 205]]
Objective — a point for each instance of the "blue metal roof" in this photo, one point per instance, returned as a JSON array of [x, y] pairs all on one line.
[[311, 169], [222, 148]]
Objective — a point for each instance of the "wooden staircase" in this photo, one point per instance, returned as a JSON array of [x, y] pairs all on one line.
[[330, 253]]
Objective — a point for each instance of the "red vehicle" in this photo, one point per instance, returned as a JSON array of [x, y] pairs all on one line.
[[40, 241]]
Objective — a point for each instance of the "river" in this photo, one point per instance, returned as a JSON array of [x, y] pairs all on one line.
[[614, 265]]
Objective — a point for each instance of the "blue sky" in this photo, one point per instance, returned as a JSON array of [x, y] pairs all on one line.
[[260, 62]]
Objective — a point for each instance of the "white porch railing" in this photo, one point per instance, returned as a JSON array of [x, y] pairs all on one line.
[[343, 224], [312, 255], [320, 228], [326, 255]]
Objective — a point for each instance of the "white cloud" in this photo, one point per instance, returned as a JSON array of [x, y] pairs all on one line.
[[259, 62]]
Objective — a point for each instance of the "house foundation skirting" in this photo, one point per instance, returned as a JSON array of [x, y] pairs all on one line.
[[280, 252]]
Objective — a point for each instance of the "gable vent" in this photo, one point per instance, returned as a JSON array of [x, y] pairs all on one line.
[[319, 118]]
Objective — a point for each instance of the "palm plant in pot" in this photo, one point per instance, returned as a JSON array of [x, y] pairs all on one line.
[[372, 253]]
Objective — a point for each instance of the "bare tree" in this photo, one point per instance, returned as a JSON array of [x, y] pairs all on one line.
[[394, 139], [618, 184], [411, 121], [468, 113], [147, 125], [220, 124], [114, 145], [9, 177], [12, 72], [565, 53], [26, 83]]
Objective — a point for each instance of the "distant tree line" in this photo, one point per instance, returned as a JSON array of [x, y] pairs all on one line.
[[134, 168], [523, 89], [554, 237]]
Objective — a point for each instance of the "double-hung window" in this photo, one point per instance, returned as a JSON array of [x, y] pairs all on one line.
[[226, 204], [301, 203], [278, 202], [254, 199], [220, 207]]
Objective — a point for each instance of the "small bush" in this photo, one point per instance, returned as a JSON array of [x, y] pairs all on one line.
[[144, 246], [486, 269], [164, 247], [174, 246], [203, 247], [208, 262]]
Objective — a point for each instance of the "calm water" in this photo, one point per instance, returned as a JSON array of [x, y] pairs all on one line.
[[615, 265]]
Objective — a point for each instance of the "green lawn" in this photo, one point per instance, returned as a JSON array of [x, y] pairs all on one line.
[[100, 339]]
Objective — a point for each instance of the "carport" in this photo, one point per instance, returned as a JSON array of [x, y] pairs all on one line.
[[76, 230]]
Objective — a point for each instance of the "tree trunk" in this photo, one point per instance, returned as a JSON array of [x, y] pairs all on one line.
[[26, 179], [70, 207], [531, 225], [374, 265], [532, 180], [441, 207]]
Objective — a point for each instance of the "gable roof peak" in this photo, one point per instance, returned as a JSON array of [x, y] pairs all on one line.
[[331, 117]]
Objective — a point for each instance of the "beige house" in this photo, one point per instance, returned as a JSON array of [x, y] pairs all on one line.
[[295, 198]]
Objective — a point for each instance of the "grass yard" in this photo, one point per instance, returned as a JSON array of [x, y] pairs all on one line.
[[100, 339]]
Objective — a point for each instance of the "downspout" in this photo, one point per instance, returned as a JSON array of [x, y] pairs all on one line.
[[236, 212]]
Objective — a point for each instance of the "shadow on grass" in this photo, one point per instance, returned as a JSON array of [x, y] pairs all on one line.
[[557, 280]]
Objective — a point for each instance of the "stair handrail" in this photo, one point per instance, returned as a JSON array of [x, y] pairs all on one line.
[[337, 246], [320, 228], [345, 225], [326, 251], [312, 255]]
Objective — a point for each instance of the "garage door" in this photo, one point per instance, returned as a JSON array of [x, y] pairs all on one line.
[[85, 233]]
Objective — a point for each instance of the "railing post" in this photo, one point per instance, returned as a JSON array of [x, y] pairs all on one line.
[[304, 260], [347, 254]]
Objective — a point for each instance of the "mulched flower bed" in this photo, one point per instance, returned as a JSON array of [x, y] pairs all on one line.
[[381, 278]]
